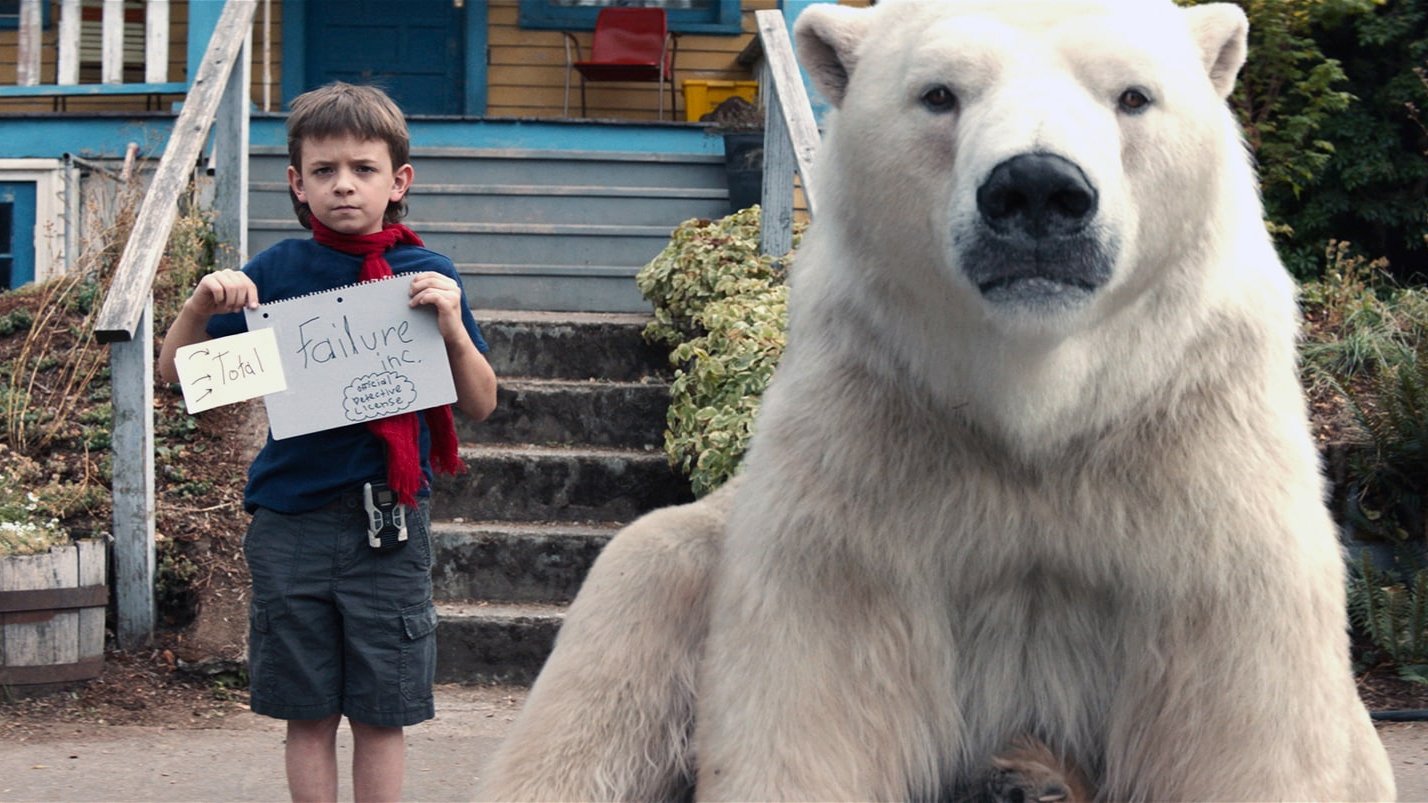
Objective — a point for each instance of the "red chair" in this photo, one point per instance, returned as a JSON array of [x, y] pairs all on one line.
[[630, 44]]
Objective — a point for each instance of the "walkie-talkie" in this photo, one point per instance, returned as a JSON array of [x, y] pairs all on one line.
[[386, 517]]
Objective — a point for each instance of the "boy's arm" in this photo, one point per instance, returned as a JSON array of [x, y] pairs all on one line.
[[220, 291], [475, 380]]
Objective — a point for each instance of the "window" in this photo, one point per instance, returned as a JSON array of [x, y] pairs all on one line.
[[685, 16], [17, 234], [32, 221], [7, 240]]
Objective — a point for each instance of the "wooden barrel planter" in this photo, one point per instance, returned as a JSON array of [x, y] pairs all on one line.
[[52, 616]]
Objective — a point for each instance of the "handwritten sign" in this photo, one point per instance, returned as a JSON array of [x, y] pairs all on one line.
[[229, 369], [354, 354]]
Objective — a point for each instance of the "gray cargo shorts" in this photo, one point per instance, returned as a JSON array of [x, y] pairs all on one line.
[[336, 626]]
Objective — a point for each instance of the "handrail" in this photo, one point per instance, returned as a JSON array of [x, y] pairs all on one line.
[[219, 90], [35, 56], [790, 135], [134, 277]]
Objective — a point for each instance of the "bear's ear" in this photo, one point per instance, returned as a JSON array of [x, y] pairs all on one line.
[[1222, 31], [827, 38]]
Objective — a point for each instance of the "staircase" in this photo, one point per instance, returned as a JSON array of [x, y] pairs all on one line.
[[571, 453], [531, 229]]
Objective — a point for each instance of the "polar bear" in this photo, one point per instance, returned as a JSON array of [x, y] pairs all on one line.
[[1035, 465]]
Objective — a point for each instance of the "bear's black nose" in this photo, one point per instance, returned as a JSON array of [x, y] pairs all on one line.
[[1038, 195]]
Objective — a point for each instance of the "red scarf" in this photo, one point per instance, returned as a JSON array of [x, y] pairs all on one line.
[[401, 433]]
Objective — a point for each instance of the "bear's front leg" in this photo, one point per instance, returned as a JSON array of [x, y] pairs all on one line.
[[822, 692], [1246, 708]]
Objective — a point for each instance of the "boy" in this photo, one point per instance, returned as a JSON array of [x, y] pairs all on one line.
[[339, 627]]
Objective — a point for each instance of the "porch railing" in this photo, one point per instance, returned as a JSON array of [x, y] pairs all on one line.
[[33, 76], [218, 99], [790, 135]]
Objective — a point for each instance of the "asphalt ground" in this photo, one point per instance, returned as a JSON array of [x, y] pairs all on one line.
[[240, 758]]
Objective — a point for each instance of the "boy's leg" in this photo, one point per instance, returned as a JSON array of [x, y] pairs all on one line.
[[389, 628], [311, 757], [378, 763]]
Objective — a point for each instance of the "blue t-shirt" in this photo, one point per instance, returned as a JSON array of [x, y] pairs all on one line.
[[306, 472]]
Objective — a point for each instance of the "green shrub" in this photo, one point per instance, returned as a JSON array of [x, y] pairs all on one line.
[[722, 308], [1361, 321], [1330, 101], [1389, 468], [1373, 189], [1393, 616], [20, 319], [716, 395], [26, 528]]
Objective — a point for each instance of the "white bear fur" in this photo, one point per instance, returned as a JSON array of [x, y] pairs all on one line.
[[1097, 521]]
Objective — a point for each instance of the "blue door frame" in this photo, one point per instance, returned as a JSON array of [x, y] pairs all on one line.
[[301, 39], [17, 233]]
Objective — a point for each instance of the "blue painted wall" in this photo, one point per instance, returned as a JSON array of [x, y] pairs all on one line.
[[532, 135]]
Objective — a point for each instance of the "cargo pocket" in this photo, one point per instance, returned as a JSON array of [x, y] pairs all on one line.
[[258, 679], [418, 666]]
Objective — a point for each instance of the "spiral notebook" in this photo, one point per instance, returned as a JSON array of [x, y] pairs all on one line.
[[353, 354]]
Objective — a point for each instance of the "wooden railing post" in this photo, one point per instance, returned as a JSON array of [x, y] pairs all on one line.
[[111, 43], [156, 41], [230, 163], [67, 71], [776, 203], [790, 135], [126, 319], [131, 368], [27, 70]]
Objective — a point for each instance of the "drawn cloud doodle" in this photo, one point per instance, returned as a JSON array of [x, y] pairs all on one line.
[[378, 395]]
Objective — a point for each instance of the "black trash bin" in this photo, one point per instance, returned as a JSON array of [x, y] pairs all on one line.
[[744, 168]]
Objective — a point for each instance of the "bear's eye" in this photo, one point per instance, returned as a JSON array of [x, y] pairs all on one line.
[[939, 99], [1133, 101]]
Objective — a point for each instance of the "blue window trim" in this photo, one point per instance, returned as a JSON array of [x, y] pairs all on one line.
[[11, 21], [720, 18]]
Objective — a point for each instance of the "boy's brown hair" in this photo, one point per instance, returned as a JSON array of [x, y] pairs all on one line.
[[341, 109]]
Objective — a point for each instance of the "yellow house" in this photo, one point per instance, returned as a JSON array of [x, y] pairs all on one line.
[[464, 58], [83, 82]]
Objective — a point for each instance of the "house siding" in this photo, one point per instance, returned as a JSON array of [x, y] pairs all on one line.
[[527, 70], [525, 75]]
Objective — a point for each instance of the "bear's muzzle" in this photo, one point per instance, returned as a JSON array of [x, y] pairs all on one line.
[[1036, 240]]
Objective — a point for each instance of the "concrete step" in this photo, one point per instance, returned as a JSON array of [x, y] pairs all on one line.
[[507, 562], [532, 229], [548, 345], [518, 166], [479, 642], [558, 288], [539, 483], [570, 244], [531, 203], [627, 415]]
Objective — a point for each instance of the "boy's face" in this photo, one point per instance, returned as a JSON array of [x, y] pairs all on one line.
[[348, 182]]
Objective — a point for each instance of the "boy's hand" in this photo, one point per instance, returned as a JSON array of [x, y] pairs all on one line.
[[475, 381], [224, 291], [443, 293]]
